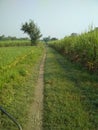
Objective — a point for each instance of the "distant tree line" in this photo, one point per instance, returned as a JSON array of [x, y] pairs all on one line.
[[3, 38], [47, 39]]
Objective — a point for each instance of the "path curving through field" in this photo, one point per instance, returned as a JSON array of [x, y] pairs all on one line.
[[36, 109]]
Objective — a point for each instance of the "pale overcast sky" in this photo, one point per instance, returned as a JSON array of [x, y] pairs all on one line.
[[56, 18]]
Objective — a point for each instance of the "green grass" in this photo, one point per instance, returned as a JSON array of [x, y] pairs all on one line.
[[10, 54], [17, 82], [10, 57], [70, 96]]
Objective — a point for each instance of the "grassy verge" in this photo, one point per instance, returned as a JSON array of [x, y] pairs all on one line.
[[17, 88], [70, 96]]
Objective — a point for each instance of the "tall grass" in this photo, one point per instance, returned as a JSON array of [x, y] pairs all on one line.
[[82, 49]]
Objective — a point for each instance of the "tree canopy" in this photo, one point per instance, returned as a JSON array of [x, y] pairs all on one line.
[[32, 30]]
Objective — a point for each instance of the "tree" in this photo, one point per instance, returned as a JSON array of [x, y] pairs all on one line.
[[54, 39], [46, 39], [2, 37], [74, 34], [32, 30]]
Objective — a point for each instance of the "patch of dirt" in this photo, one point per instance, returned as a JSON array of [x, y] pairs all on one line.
[[36, 108]]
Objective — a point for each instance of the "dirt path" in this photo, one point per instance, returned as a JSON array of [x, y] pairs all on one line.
[[35, 116]]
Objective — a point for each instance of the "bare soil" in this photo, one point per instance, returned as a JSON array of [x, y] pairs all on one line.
[[36, 108]]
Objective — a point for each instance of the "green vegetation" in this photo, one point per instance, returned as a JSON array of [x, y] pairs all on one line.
[[8, 43], [19, 67], [70, 95], [70, 91], [81, 49], [32, 30]]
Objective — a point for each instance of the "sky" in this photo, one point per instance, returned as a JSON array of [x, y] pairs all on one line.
[[55, 18]]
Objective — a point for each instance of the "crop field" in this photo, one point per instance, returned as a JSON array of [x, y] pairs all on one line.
[[81, 49], [70, 95], [19, 67], [7, 43]]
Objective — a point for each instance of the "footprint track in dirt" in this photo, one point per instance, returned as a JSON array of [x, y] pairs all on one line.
[[36, 108]]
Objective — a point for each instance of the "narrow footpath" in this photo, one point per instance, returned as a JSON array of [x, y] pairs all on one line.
[[36, 109]]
